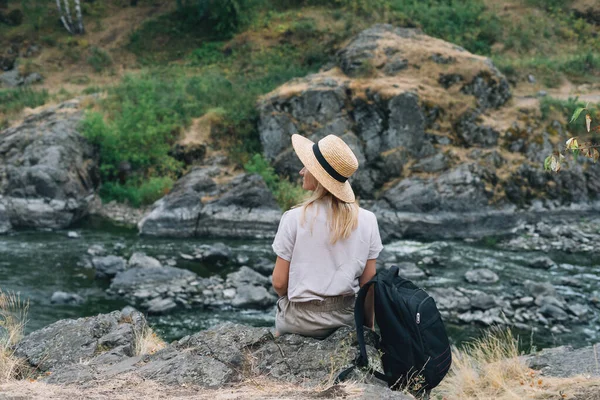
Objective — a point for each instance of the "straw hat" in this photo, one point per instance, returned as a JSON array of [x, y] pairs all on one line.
[[330, 161]]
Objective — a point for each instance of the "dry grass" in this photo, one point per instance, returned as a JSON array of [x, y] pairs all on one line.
[[147, 341], [13, 316], [491, 368], [134, 387]]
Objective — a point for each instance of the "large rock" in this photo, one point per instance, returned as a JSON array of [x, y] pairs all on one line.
[[77, 341], [384, 116], [214, 358], [108, 266], [48, 171], [565, 361], [197, 206], [146, 286]]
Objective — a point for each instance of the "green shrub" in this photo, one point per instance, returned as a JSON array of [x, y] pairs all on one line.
[[208, 53], [99, 59], [137, 194], [464, 22], [286, 193], [144, 120], [14, 100]]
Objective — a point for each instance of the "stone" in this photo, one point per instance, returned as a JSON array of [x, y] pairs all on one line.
[[565, 361], [96, 250], [553, 312], [242, 208], [410, 271], [472, 134], [142, 260], [248, 296], [481, 275], [483, 301], [108, 266], [579, 310], [434, 163], [48, 171], [73, 235], [68, 342], [542, 263], [218, 253], [143, 284], [246, 276], [160, 306], [450, 299], [66, 298], [263, 266], [536, 289]]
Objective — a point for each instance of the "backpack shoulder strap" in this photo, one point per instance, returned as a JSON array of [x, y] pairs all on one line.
[[362, 360], [359, 318]]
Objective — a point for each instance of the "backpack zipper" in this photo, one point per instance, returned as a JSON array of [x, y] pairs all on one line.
[[419, 307]]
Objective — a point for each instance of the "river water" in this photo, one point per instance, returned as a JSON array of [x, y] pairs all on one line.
[[36, 264]]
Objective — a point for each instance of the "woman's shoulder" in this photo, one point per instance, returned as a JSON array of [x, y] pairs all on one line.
[[366, 215], [292, 213]]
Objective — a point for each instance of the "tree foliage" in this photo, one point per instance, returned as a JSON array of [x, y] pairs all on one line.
[[586, 148]]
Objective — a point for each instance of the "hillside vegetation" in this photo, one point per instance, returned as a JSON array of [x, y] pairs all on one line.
[[160, 66]]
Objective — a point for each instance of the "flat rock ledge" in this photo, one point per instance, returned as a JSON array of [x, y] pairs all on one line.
[[198, 206], [86, 351]]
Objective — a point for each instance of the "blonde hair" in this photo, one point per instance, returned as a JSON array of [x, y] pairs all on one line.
[[342, 216]]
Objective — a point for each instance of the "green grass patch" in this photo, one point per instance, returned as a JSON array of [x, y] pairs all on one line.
[[287, 194], [467, 23], [578, 68], [14, 100], [99, 59], [137, 193]]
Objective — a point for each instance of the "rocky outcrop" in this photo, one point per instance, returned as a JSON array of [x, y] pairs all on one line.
[[198, 206], [69, 341], [222, 355], [385, 116], [565, 361], [226, 354], [159, 289], [48, 171], [442, 152]]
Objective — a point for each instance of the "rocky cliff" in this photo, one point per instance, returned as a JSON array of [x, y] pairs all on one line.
[[48, 171], [443, 150]]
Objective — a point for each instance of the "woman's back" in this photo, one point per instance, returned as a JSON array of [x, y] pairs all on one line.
[[318, 268]]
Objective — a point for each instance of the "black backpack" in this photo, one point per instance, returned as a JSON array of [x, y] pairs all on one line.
[[415, 349]]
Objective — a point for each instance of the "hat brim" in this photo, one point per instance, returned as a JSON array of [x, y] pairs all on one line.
[[304, 150]]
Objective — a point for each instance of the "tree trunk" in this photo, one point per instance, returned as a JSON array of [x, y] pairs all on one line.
[[68, 12], [62, 17], [79, 17]]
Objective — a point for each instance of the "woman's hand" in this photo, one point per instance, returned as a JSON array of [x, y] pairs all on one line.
[[281, 274], [367, 275]]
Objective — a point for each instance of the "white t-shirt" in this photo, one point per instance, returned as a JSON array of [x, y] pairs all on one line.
[[319, 269]]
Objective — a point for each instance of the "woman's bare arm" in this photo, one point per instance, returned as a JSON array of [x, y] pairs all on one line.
[[367, 275], [281, 274]]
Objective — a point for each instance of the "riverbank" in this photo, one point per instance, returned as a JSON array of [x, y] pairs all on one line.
[[108, 356]]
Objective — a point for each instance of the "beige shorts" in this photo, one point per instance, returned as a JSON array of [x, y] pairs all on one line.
[[314, 318]]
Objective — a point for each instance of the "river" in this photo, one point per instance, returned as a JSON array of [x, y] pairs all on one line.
[[35, 264]]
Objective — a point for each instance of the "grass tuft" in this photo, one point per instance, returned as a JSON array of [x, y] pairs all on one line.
[[13, 317], [493, 368]]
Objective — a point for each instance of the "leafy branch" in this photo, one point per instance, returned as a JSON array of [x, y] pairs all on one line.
[[587, 149]]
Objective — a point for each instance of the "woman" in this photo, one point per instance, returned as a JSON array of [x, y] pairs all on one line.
[[326, 247]]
